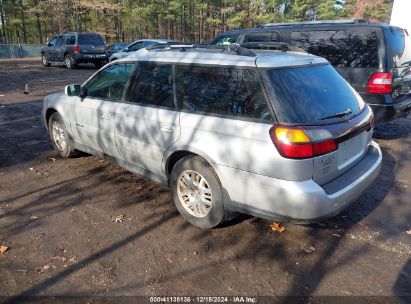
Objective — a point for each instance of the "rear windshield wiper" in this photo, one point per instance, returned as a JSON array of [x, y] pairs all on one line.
[[340, 114]]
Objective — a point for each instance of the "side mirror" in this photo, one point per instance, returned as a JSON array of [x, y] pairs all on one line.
[[125, 50], [74, 90], [48, 44]]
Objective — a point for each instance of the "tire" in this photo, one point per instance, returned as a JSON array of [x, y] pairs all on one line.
[[59, 136], [202, 206], [98, 65], [45, 60], [69, 62]]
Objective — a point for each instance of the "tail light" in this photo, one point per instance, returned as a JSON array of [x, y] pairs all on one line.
[[76, 48], [379, 83], [295, 142]]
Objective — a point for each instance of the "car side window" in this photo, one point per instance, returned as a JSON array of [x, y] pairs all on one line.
[[356, 48], [153, 85], [136, 46], [261, 37], [226, 39], [110, 83], [70, 40], [225, 91], [59, 41], [52, 41]]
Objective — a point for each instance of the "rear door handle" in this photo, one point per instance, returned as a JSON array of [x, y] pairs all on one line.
[[167, 128], [106, 116]]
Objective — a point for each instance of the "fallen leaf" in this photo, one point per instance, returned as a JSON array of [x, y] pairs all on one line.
[[33, 217], [73, 260], [60, 258], [3, 249], [52, 159], [118, 218], [309, 249], [337, 235], [31, 169], [409, 232], [277, 227]]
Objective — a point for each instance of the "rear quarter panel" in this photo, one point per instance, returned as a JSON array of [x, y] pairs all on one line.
[[239, 144]]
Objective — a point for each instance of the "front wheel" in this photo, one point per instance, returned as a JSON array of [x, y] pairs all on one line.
[[197, 192], [59, 136], [45, 60]]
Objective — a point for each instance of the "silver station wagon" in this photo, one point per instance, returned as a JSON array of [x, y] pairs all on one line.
[[275, 134]]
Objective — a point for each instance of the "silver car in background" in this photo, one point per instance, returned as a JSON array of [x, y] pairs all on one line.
[[275, 134], [135, 46]]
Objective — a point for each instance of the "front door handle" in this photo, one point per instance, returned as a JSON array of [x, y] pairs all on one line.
[[167, 128]]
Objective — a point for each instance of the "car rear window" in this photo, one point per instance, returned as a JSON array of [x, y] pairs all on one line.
[[306, 95], [90, 39], [356, 48]]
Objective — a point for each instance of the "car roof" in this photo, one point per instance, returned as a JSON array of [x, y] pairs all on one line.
[[307, 26], [218, 58], [155, 40]]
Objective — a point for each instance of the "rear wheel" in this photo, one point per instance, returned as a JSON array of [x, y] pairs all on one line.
[[59, 136], [45, 60], [197, 192], [98, 65], [69, 62]]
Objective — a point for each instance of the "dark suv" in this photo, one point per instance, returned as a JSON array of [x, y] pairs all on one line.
[[373, 58], [75, 48]]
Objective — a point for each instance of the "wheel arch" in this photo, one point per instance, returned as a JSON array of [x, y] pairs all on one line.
[[49, 112], [172, 157]]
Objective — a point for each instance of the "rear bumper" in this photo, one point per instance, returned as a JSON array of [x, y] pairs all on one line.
[[384, 108], [90, 57], [299, 201]]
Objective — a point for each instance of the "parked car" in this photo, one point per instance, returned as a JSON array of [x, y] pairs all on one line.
[[114, 48], [276, 134], [75, 48], [369, 56], [137, 45]]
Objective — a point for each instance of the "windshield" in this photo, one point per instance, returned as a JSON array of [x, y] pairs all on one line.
[[90, 39], [312, 95]]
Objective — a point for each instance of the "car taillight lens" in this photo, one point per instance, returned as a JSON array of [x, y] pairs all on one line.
[[379, 83], [294, 142], [76, 49]]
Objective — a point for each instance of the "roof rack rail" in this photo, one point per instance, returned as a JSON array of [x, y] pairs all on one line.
[[343, 21], [182, 47], [242, 51], [264, 45]]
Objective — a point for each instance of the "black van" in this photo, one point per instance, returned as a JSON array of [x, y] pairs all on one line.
[[374, 58], [75, 48]]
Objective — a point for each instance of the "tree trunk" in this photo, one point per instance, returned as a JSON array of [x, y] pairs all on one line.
[[39, 27], [23, 21], [3, 24]]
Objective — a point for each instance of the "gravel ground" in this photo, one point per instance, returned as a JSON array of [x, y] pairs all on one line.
[[56, 217]]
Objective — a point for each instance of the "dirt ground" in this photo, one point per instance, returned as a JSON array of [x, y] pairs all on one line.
[[56, 217]]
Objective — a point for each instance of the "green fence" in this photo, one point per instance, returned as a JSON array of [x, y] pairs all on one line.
[[20, 50]]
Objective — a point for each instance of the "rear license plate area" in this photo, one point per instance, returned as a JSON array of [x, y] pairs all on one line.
[[352, 149]]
